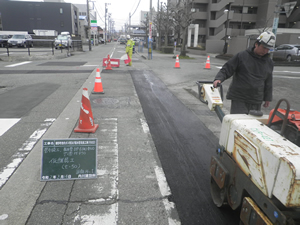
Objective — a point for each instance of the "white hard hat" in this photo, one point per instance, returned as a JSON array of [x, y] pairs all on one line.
[[128, 36], [267, 39]]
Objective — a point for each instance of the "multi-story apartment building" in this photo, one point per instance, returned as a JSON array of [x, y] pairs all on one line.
[[217, 21]]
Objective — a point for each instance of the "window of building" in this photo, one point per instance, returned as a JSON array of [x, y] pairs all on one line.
[[245, 10], [61, 23], [252, 10], [61, 11], [213, 15]]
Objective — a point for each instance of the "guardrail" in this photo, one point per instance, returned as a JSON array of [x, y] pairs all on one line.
[[45, 45]]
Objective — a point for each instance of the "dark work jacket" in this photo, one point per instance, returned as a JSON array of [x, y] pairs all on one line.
[[252, 77]]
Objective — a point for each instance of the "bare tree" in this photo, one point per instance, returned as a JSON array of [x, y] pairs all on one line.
[[182, 17], [145, 24]]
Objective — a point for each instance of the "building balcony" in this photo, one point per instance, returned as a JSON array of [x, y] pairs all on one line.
[[221, 34], [220, 5], [201, 1], [246, 2], [222, 19], [199, 16], [244, 17]]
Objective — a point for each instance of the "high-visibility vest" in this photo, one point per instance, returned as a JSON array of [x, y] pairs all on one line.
[[129, 45]]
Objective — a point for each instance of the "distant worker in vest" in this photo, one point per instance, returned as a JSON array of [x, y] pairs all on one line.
[[129, 48]]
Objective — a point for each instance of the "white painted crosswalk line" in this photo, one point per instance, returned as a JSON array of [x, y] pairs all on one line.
[[18, 64], [22, 152], [6, 124]]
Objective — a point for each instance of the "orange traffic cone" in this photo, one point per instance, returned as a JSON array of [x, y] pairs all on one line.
[[86, 121], [108, 66], [98, 88], [207, 65], [177, 62]]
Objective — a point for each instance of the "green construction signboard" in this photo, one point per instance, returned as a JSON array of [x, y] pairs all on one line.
[[69, 159]]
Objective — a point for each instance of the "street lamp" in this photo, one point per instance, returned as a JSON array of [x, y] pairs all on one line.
[[89, 24], [226, 27]]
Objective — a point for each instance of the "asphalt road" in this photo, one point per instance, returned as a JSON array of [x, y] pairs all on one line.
[[184, 146], [184, 133]]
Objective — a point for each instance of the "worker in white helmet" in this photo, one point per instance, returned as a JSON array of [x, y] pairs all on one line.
[[129, 49], [252, 80]]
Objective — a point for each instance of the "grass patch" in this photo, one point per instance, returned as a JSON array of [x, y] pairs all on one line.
[[185, 57]]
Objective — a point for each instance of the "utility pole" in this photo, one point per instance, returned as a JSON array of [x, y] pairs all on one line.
[[129, 23], [105, 37], [157, 33], [160, 25], [150, 33], [89, 24], [275, 23], [105, 23], [108, 26], [276, 17], [226, 28]]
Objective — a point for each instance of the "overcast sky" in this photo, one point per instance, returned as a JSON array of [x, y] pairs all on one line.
[[120, 10]]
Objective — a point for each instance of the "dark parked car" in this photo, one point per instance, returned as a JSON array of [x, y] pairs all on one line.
[[287, 52], [20, 40], [3, 40]]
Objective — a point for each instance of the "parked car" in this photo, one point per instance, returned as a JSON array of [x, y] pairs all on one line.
[[63, 40], [287, 52], [101, 40], [3, 40], [20, 40]]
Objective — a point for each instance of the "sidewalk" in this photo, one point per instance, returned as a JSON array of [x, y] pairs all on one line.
[[130, 187]]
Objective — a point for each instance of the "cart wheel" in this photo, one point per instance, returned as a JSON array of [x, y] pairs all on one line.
[[218, 195]]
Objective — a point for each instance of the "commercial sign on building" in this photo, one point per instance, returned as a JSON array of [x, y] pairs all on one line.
[[93, 23]]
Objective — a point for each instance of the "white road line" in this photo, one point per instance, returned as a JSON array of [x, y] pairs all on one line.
[[285, 77], [91, 65], [108, 165], [6, 124], [21, 154], [18, 64], [285, 71], [162, 184]]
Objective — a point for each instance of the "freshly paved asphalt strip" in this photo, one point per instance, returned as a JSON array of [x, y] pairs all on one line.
[[184, 146]]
